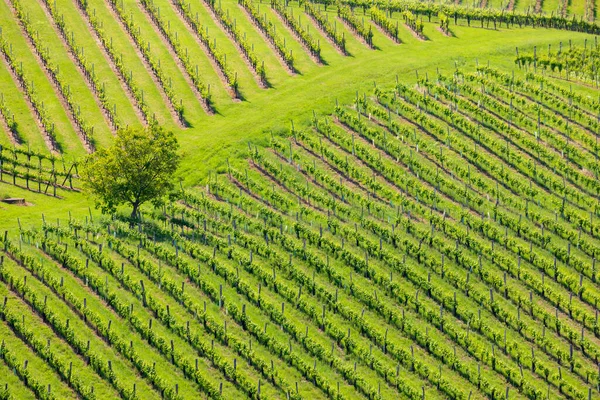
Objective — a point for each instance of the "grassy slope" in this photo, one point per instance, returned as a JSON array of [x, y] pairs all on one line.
[[66, 135], [197, 56], [160, 52], [85, 38], [577, 7], [551, 6], [18, 106], [5, 137], [124, 46], [15, 387], [212, 139], [298, 97], [69, 72], [43, 333]]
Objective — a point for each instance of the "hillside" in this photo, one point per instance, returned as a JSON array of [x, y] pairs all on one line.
[[377, 200]]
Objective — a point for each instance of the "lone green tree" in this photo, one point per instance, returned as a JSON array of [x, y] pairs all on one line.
[[136, 169]]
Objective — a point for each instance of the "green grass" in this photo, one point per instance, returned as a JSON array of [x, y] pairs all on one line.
[[123, 370], [70, 75], [5, 137], [58, 346], [226, 134], [206, 71], [264, 117], [233, 330], [524, 5], [66, 134], [160, 52], [17, 104], [276, 74], [43, 373], [14, 385], [552, 7], [577, 7], [85, 38], [298, 97], [123, 330], [125, 48]]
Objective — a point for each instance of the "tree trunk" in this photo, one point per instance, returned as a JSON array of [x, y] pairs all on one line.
[[134, 214]]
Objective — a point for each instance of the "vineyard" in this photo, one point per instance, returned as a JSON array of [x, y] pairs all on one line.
[[427, 241], [376, 200], [74, 72]]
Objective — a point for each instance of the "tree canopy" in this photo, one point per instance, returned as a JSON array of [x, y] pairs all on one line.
[[136, 169]]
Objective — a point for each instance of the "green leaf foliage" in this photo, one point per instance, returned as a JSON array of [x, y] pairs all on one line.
[[137, 168]]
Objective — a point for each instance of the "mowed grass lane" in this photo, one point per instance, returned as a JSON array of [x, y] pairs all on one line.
[[86, 102], [160, 51], [277, 74], [16, 102], [65, 132], [209, 70], [6, 137], [43, 332], [126, 50], [95, 55], [11, 382]]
